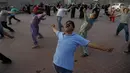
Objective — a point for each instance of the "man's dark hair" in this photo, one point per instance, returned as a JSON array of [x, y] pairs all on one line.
[[126, 9], [71, 22]]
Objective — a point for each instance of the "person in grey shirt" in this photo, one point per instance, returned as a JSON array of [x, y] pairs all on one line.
[[124, 19], [3, 20]]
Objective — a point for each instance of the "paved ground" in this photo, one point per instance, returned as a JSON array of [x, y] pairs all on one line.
[[27, 60]]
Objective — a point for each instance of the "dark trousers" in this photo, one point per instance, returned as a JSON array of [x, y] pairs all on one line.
[[129, 47], [4, 24], [72, 14], [1, 35], [1, 32], [97, 14], [81, 16], [106, 12], [125, 27], [13, 18], [4, 59], [61, 70]]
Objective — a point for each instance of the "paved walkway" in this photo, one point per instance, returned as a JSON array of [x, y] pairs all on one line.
[[27, 60]]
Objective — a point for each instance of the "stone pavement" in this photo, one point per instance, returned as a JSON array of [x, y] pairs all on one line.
[[27, 60]]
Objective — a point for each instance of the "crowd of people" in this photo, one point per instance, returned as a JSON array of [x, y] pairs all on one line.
[[68, 41]]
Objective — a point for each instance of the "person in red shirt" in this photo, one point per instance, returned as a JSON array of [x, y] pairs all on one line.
[[35, 9], [112, 15], [38, 9]]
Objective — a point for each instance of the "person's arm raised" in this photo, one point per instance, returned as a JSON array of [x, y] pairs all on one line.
[[54, 28], [95, 46]]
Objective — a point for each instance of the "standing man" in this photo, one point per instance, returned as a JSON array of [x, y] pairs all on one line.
[[60, 15], [48, 9], [81, 16], [68, 41], [124, 21], [28, 8], [73, 9], [12, 15]]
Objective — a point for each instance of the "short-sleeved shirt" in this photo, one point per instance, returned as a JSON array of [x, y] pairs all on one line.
[[13, 11], [3, 15], [61, 12], [35, 10], [67, 44]]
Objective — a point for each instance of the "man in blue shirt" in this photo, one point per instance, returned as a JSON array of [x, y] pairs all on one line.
[[68, 41]]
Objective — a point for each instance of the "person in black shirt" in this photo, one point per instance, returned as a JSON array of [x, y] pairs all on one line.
[[54, 9], [73, 9], [81, 16], [106, 9], [96, 10], [28, 8], [48, 10]]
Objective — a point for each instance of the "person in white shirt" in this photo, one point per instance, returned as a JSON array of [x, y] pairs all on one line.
[[3, 20], [60, 15]]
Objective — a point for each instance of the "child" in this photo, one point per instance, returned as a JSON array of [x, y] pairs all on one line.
[[87, 25], [35, 27]]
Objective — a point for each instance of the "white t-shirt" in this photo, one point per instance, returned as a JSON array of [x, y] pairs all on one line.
[[3, 15], [61, 12]]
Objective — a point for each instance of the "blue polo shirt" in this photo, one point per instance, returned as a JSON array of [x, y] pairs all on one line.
[[67, 44]]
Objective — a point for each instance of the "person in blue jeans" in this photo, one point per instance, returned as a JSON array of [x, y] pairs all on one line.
[[124, 19], [59, 19], [68, 41], [60, 15]]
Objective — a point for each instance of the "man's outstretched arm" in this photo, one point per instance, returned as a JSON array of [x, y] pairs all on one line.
[[95, 46]]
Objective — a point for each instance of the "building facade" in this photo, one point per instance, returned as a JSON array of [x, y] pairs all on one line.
[[19, 3]]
